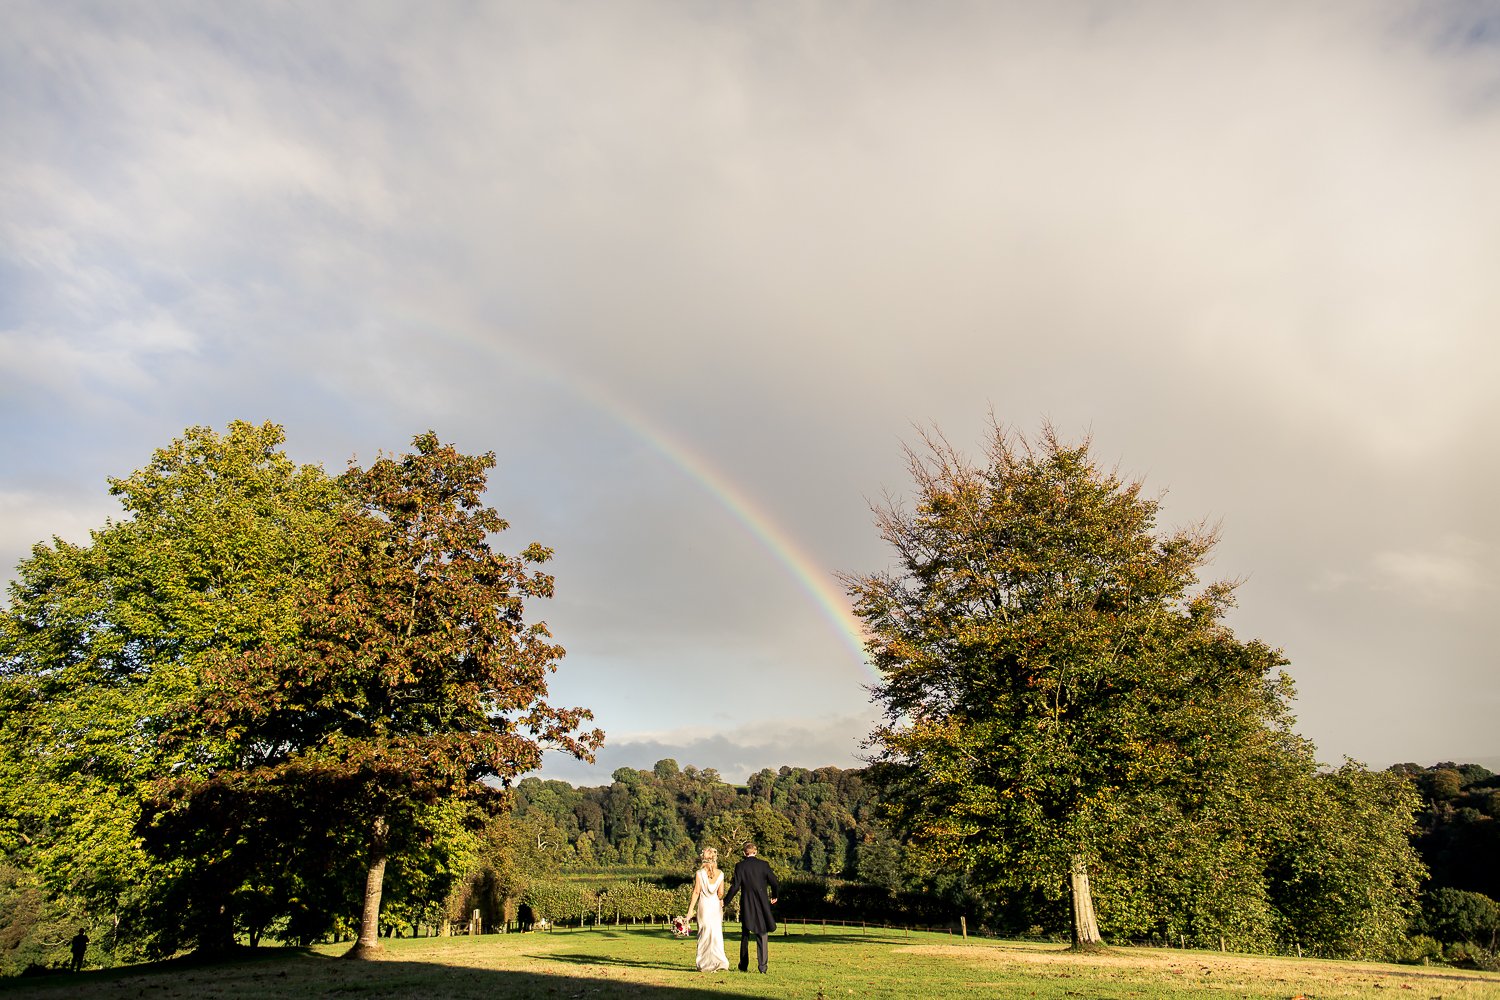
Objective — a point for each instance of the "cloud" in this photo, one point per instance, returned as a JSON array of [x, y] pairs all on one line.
[[1452, 571], [119, 357], [1449, 572], [735, 752], [29, 518]]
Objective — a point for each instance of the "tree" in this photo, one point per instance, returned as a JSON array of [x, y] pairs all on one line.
[[413, 677], [1345, 877], [98, 640], [729, 831], [1453, 915], [1459, 830], [1053, 675]]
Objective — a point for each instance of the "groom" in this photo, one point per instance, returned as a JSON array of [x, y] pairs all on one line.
[[761, 888]]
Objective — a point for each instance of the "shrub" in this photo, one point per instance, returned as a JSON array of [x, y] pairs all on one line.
[[1419, 949], [1472, 956], [1454, 915]]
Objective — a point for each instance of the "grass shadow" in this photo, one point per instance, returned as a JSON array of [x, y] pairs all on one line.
[[578, 958], [295, 974]]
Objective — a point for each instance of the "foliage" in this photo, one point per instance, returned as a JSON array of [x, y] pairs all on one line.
[[1473, 956], [1458, 827], [560, 902], [1453, 915], [640, 900], [413, 677], [1345, 883], [1054, 685], [98, 640], [731, 830], [35, 929], [1058, 686], [820, 821], [512, 857], [1419, 949]]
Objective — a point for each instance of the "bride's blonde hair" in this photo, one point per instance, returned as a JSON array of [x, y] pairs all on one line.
[[709, 854]]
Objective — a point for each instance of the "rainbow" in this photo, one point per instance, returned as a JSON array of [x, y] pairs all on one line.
[[816, 582]]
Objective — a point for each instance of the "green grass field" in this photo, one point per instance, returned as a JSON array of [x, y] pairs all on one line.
[[646, 962]]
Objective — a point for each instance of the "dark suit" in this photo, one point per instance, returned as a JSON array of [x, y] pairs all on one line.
[[760, 885]]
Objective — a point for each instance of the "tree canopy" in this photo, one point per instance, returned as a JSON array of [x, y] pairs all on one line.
[[260, 684], [1062, 694], [414, 676], [99, 640]]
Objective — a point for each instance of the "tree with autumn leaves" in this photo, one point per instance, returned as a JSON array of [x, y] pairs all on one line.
[[263, 685], [414, 678], [1064, 699]]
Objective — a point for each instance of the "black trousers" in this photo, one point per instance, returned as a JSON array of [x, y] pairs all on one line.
[[762, 949]]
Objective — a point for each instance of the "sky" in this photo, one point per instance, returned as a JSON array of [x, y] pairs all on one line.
[[696, 271]]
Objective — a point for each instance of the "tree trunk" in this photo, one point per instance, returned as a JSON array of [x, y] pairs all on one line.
[[368, 943], [1085, 927], [217, 936]]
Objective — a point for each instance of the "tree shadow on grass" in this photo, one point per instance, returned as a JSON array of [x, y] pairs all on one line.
[[783, 948], [59, 977], [580, 958], [300, 975]]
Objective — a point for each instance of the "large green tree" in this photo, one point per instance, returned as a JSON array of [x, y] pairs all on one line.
[[1059, 687], [99, 639], [413, 677]]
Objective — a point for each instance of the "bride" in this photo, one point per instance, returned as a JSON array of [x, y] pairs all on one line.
[[708, 895]]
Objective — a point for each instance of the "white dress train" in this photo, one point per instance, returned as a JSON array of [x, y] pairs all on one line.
[[711, 957]]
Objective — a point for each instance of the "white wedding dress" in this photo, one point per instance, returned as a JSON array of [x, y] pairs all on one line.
[[711, 957]]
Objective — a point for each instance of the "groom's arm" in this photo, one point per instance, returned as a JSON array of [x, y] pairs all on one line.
[[775, 883]]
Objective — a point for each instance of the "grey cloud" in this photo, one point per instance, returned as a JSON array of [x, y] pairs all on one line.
[[736, 752]]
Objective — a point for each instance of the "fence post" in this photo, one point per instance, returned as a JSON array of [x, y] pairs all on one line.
[[1221, 942], [963, 923]]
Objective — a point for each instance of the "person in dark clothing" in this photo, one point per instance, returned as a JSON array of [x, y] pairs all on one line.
[[80, 945], [761, 888]]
